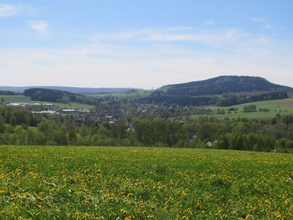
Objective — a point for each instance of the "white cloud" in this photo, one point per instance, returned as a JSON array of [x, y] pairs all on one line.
[[217, 37], [212, 37], [9, 10], [264, 23], [142, 67], [259, 20], [126, 35], [149, 58], [209, 22], [39, 26]]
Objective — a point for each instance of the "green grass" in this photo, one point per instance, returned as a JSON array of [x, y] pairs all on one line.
[[143, 183], [124, 95], [254, 115], [274, 105], [24, 99], [71, 105], [15, 98]]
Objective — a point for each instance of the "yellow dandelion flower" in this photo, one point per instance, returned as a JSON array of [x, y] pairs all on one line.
[[248, 216]]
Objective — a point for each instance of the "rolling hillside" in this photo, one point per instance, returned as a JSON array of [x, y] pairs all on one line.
[[79, 90], [220, 91], [224, 84]]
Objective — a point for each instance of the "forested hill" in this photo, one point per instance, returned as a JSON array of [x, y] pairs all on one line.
[[80, 90], [52, 95], [224, 84]]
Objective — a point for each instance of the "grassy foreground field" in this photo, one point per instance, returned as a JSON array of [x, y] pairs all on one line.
[[143, 183]]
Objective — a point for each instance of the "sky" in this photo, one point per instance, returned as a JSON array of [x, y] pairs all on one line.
[[143, 43]]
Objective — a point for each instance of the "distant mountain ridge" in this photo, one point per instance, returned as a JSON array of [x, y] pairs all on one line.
[[79, 90], [224, 84]]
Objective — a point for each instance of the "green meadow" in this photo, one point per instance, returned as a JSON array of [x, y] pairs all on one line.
[[283, 106], [24, 99], [15, 98], [143, 183], [273, 105]]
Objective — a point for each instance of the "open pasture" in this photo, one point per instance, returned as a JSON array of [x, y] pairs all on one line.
[[282, 106], [24, 99], [143, 183], [15, 98]]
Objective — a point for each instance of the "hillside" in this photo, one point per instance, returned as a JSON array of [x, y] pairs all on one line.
[[52, 95], [220, 91], [224, 84], [79, 90]]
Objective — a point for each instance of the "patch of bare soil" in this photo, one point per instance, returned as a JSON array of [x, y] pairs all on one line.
[[288, 105]]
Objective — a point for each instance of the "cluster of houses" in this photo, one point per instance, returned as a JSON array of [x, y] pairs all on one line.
[[80, 116], [48, 108]]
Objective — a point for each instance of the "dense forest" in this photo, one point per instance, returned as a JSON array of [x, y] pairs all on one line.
[[234, 100], [220, 91], [224, 84], [5, 92], [80, 90], [225, 100], [52, 95]]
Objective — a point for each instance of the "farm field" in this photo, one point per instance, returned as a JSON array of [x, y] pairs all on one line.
[[24, 99], [143, 183], [283, 106], [15, 98], [253, 115], [273, 105]]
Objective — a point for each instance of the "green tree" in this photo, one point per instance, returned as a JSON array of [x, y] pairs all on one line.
[[222, 143], [249, 108], [210, 130], [237, 142], [83, 130], [47, 127], [20, 115], [72, 137], [9, 129], [60, 138], [2, 124], [12, 121], [119, 130]]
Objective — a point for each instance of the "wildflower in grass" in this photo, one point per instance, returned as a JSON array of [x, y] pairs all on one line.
[[188, 211], [198, 183], [85, 215], [123, 211], [248, 217]]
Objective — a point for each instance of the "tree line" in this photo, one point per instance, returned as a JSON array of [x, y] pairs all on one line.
[[52, 95], [159, 97], [20, 127], [6, 92], [233, 100]]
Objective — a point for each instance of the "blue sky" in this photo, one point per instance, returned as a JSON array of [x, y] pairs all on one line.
[[143, 44]]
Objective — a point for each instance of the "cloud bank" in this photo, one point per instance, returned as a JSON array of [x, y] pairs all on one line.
[[9, 10], [149, 58]]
